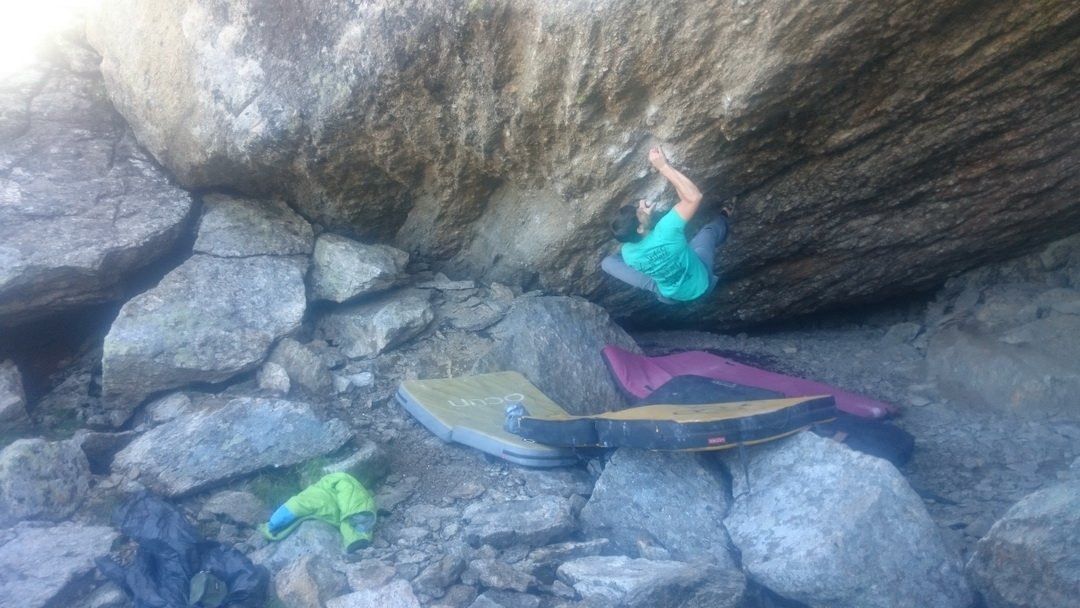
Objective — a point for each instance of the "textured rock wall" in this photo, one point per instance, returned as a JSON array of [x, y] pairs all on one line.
[[81, 206], [872, 147]]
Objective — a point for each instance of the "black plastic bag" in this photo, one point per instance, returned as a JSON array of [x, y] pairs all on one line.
[[170, 554]]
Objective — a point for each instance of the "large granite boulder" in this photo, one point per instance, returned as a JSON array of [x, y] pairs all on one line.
[[1029, 557], [824, 525], [873, 147], [206, 321], [82, 208], [214, 445]]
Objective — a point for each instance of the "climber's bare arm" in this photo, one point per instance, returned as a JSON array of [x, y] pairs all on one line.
[[689, 195]]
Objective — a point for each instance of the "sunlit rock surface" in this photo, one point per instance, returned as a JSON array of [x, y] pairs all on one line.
[[872, 147]]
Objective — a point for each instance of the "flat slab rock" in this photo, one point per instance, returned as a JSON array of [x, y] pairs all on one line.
[[37, 563], [244, 436]]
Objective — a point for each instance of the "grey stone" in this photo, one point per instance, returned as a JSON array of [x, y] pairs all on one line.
[[12, 397], [542, 562], [304, 367], [396, 594], [902, 333], [368, 573], [39, 564], [369, 328], [312, 537], [343, 269], [497, 574], [369, 464], [439, 575], [100, 448], [239, 227], [169, 407], [41, 479], [213, 445], [532, 522], [206, 321], [635, 583], [239, 507], [1032, 376], [674, 500], [825, 525], [273, 377], [556, 343], [309, 582], [505, 599], [1029, 557]]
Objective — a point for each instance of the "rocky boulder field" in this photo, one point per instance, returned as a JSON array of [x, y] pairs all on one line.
[[804, 521]]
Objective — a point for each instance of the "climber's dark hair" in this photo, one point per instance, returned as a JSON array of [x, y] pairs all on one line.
[[624, 226]]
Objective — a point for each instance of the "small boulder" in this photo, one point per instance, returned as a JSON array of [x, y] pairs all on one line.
[[12, 397], [633, 583], [41, 479], [396, 594], [239, 227], [532, 522], [369, 328], [1031, 556], [304, 367], [343, 269], [828, 526]]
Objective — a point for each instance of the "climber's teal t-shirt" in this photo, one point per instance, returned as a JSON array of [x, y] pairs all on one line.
[[665, 255]]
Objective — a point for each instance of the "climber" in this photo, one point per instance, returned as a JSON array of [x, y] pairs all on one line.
[[654, 252]]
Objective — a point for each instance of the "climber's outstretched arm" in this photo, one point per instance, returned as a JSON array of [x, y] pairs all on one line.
[[689, 195]]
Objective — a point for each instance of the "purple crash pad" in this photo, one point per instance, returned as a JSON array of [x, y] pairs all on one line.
[[640, 375]]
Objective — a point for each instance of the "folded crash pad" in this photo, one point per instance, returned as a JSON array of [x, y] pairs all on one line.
[[875, 436], [711, 426], [640, 375], [470, 410]]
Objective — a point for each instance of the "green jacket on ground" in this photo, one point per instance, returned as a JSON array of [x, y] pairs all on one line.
[[339, 500]]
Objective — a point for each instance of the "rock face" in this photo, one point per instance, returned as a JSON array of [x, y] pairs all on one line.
[[81, 207], [873, 147]]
